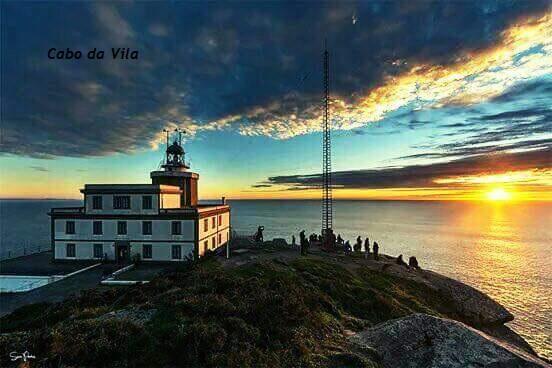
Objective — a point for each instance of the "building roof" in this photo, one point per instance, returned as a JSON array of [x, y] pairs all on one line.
[[175, 149], [130, 189]]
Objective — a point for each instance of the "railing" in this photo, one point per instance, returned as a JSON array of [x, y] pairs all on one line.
[[67, 210], [24, 251], [177, 210]]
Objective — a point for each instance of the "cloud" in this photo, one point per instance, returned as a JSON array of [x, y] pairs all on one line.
[[39, 168], [538, 163], [158, 29], [522, 52], [114, 26], [254, 70]]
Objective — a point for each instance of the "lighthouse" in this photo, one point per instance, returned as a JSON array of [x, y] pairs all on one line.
[[157, 222], [175, 172]]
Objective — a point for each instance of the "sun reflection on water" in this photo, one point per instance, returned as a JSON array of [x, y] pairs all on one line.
[[504, 267]]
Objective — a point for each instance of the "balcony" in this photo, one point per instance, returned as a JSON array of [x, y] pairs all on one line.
[[67, 210], [189, 210]]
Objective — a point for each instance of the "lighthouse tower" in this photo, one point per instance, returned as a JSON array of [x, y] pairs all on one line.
[[175, 172]]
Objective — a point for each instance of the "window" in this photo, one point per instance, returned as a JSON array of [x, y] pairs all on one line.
[[213, 244], [220, 220], [206, 225], [205, 246], [213, 222], [121, 227], [219, 238], [97, 228], [146, 251], [121, 202], [97, 202], [146, 228], [70, 227], [176, 228], [147, 203], [98, 250], [176, 252], [70, 251]]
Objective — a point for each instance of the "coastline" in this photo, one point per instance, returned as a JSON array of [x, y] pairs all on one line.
[[405, 291]]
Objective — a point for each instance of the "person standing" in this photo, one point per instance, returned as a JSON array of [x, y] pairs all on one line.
[[376, 250], [358, 244], [366, 247], [348, 248], [302, 241]]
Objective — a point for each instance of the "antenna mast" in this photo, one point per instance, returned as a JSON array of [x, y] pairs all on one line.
[[327, 205], [167, 147]]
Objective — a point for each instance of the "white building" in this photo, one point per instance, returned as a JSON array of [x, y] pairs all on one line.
[[161, 221]]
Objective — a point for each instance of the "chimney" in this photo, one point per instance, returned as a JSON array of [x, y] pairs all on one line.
[[223, 200]]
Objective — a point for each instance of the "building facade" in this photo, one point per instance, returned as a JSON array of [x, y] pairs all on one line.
[[161, 221]]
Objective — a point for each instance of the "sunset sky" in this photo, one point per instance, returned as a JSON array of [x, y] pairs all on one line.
[[430, 100]]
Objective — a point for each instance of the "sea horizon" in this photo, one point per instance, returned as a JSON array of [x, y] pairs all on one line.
[[499, 248]]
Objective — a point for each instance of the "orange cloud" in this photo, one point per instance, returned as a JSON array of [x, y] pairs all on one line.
[[524, 51]]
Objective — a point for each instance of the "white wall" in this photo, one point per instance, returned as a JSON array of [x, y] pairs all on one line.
[[161, 238], [170, 200], [211, 235], [161, 230], [83, 250], [135, 204], [161, 251]]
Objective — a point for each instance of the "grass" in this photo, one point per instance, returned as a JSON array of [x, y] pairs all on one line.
[[269, 314]]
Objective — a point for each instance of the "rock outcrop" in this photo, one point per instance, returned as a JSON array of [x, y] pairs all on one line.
[[475, 307], [424, 341]]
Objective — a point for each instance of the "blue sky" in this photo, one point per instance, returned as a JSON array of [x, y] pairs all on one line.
[[429, 99]]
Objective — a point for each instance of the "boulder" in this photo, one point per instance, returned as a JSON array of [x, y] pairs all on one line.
[[475, 307], [423, 341], [279, 242]]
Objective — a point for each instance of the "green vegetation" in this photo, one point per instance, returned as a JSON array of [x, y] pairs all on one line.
[[269, 314]]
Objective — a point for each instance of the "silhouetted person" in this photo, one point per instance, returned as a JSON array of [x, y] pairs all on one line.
[[339, 239], [358, 245], [413, 262], [303, 242], [347, 247], [259, 235], [306, 245], [293, 241], [333, 240], [366, 248], [400, 261], [376, 250]]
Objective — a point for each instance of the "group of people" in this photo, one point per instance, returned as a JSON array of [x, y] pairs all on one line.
[[357, 248], [412, 262], [337, 243]]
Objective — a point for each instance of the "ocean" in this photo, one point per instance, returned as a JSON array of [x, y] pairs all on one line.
[[501, 248]]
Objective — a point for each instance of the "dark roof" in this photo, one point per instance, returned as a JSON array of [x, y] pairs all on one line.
[[175, 149]]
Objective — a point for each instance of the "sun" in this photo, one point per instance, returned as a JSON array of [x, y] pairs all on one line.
[[498, 194]]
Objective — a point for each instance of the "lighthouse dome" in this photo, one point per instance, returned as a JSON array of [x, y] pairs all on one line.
[[175, 149]]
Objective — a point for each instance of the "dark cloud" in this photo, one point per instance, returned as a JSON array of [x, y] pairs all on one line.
[[202, 61], [466, 149], [420, 176], [39, 168], [518, 114]]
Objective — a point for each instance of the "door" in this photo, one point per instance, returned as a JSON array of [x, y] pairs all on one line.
[[122, 251]]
